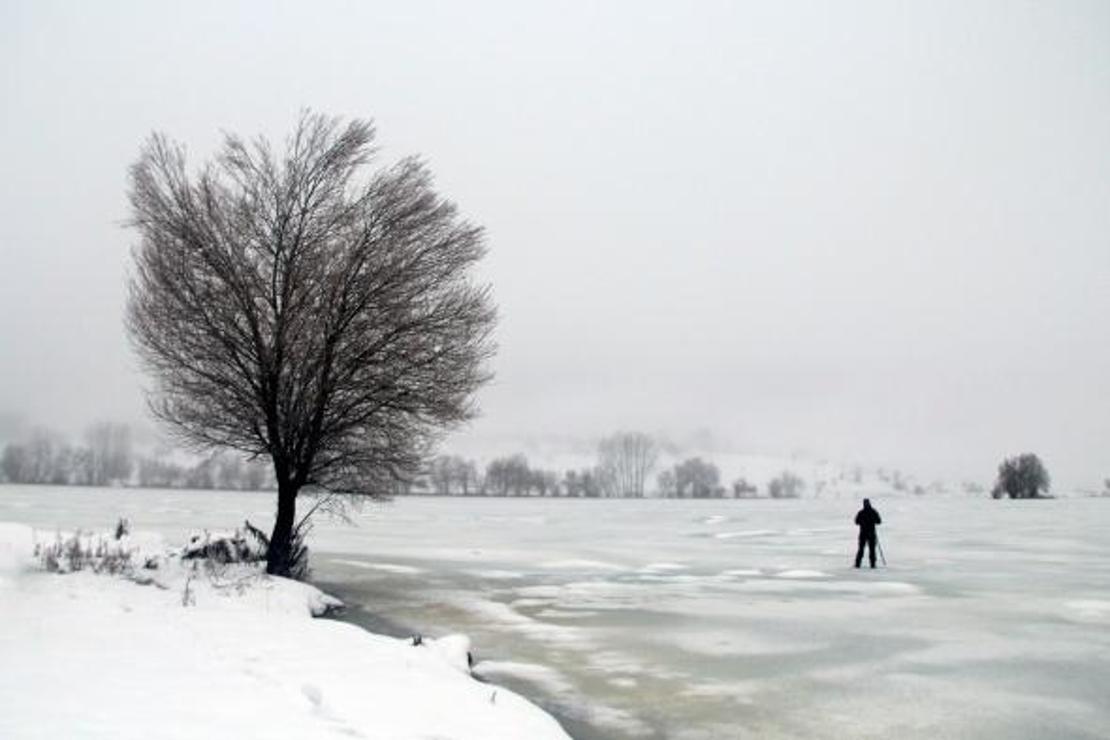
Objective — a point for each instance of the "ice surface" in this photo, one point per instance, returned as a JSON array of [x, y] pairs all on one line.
[[991, 621]]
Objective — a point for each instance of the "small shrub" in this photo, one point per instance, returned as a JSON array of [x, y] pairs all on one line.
[[247, 545], [84, 551]]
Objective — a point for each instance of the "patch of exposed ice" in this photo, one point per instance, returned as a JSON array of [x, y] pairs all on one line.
[[542, 676], [565, 614], [528, 603], [741, 692], [576, 705], [580, 564], [825, 584], [738, 642], [619, 720], [496, 574], [1088, 610], [745, 533], [510, 619], [658, 567], [394, 568]]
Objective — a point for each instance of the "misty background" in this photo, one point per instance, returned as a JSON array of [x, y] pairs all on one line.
[[868, 231]]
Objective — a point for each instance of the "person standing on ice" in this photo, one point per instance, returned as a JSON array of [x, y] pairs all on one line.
[[867, 519]]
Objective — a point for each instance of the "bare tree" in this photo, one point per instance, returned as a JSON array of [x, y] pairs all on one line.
[[697, 478], [451, 474], [109, 457], [466, 475], [15, 463], [44, 457], [295, 307], [441, 474], [786, 485], [581, 484], [508, 476], [624, 461], [1024, 476], [666, 485], [741, 488]]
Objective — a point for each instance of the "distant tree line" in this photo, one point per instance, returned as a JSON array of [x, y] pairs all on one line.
[[108, 456], [625, 462]]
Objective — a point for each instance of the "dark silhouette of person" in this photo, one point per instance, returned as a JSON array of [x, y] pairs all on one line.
[[867, 519]]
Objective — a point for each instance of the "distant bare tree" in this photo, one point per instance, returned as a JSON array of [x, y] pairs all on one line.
[[545, 482], [697, 478], [1024, 476], [256, 474], [624, 461], [450, 474], [44, 457], [109, 456], [292, 307], [741, 488], [467, 477], [441, 474], [15, 463], [666, 484], [203, 475], [581, 484], [157, 472], [508, 476], [786, 485]]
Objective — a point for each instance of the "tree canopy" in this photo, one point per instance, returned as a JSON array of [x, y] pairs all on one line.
[[1024, 476], [305, 307]]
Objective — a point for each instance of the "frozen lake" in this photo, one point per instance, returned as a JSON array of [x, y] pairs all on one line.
[[718, 619]]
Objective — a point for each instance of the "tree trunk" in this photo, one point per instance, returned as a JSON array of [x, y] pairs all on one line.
[[277, 557]]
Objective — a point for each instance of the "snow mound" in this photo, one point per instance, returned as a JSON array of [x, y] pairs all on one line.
[[454, 650], [229, 639], [16, 544]]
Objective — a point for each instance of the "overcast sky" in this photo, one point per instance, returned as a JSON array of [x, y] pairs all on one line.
[[875, 231]]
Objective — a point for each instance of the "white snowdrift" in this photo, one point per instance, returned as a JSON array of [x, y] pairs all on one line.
[[222, 653]]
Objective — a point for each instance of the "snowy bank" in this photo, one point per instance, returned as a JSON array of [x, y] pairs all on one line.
[[187, 650]]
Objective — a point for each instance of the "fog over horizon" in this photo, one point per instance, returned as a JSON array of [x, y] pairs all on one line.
[[867, 231]]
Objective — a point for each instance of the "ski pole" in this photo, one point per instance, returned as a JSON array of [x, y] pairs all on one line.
[[879, 545]]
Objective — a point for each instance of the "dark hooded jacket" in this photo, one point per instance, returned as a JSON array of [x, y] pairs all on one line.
[[867, 519]]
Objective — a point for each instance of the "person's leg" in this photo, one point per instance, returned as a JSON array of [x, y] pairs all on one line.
[[859, 551], [871, 548]]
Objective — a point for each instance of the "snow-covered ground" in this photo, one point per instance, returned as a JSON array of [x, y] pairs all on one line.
[[184, 650], [720, 619]]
